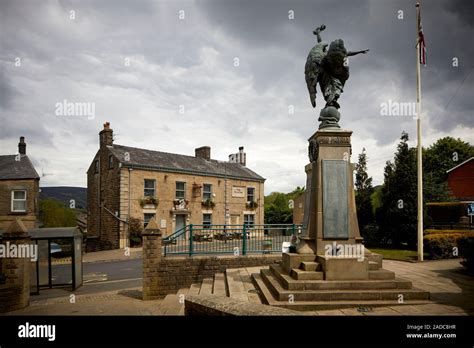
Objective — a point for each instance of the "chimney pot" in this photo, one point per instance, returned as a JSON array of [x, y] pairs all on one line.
[[106, 136], [22, 146]]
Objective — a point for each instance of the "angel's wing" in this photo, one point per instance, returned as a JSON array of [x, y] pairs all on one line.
[[313, 68]]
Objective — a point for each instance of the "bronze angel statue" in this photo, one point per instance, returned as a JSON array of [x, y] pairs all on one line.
[[328, 67]]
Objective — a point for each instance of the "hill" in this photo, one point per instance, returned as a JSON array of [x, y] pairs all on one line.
[[64, 194]]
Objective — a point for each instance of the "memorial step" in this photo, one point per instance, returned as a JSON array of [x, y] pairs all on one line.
[[299, 274], [373, 266], [395, 295], [381, 274], [267, 298], [310, 266], [290, 283]]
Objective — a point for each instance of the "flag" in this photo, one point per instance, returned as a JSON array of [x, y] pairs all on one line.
[[421, 38]]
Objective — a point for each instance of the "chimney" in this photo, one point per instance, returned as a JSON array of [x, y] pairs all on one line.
[[239, 157], [22, 146], [203, 152], [106, 136]]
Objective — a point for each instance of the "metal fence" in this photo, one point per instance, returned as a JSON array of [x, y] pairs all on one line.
[[229, 239]]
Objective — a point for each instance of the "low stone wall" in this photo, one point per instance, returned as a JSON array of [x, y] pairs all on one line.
[[225, 306], [12, 298], [166, 275]]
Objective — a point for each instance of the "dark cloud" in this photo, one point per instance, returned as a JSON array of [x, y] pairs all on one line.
[[190, 63]]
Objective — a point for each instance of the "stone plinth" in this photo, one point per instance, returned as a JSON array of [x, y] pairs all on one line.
[[330, 212]]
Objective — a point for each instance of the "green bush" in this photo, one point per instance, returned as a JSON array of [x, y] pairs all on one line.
[[466, 251], [441, 245], [371, 235], [135, 229]]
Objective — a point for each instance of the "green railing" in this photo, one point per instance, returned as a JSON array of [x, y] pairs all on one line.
[[229, 239]]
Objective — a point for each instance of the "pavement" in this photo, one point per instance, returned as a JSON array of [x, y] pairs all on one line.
[[451, 288], [105, 256]]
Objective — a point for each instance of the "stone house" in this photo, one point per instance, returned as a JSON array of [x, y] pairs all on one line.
[[19, 189], [176, 190]]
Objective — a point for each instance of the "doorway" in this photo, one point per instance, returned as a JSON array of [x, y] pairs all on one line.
[[180, 223]]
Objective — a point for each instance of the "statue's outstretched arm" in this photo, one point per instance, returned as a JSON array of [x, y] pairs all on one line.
[[318, 31], [357, 52]]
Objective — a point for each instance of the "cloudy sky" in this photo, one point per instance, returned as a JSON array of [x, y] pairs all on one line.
[[173, 76]]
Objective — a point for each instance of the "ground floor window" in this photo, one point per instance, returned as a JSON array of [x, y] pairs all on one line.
[[206, 220], [147, 218], [249, 220]]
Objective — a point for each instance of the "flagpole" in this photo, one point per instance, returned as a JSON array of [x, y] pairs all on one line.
[[418, 129]]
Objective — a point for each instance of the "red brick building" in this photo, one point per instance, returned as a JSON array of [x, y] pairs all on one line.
[[461, 180]]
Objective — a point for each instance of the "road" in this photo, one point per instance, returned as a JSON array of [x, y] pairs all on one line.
[[98, 277]]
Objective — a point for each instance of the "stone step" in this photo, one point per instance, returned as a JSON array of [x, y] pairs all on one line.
[[375, 258], [170, 305], [219, 287], [310, 266], [249, 287], [299, 274], [182, 293], [269, 299], [206, 286], [282, 294], [235, 285], [373, 266], [381, 274], [289, 283], [194, 289]]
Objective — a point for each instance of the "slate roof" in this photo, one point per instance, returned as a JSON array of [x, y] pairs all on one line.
[[11, 169], [171, 162]]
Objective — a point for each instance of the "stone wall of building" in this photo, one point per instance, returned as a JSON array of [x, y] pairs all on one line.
[[29, 218], [103, 200], [166, 275], [165, 212]]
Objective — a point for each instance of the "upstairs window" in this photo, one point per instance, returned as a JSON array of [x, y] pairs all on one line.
[[149, 188], [96, 166], [207, 191], [19, 201], [180, 190], [250, 194], [111, 162]]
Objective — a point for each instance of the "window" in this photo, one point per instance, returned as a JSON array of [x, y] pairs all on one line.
[[250, 194], [96, 166], [206, 220], [180, 190], [111, 162], [19, 200], [149, 186], [147, 218], [207, 191], [249, 220]]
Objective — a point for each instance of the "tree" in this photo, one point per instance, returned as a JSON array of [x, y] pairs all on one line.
[[277, 210], [364, 191], [54, 214], [443, 155], [397, 216]]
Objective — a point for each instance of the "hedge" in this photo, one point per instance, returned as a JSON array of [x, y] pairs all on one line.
[[466, 250], [441, 245], [433, 231]]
